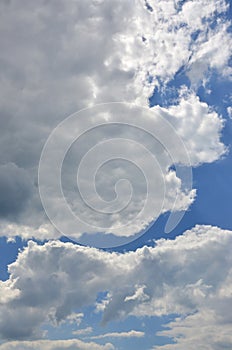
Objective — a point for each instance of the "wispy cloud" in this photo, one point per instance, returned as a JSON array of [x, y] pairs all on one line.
[[83, 331], [129, 334]]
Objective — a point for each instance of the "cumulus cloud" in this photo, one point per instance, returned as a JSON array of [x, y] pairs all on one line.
[[189, 276], [56, 58], [77, 55], [70, 344], [7, 291], [205, 329], [142, 156], [140, 151], [192, 114]]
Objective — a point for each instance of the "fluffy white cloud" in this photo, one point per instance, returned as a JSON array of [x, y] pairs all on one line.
[[198, 126], [7, 291], [142, 156], [206, 329], [140, 151], [190, 276], [70, 344], [77, 55], [12, 229]]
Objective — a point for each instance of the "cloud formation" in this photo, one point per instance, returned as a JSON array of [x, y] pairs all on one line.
[[129, 334], [70, 344], [15, 189], [56, 58], [59, 57], [189, 276]]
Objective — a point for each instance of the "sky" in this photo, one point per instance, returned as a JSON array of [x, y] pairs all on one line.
[[115, 175]]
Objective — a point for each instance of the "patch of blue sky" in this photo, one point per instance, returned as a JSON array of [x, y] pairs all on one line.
[[167, 93], [149, 325], [179, 4], [148, 6], [212, 22], [8, 253], [217, 93]]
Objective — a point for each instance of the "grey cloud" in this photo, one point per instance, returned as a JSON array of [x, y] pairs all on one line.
[[60, 56], [15, 190]]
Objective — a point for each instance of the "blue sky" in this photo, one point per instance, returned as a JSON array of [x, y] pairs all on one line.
[[159, 291]]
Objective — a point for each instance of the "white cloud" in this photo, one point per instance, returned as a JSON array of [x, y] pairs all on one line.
[[189, 276], [7, 291], [153, 192], [229, 111], [212, 52], [129, 334], [83, 331], [70, 344], [198, 126], [194, 14], [61, 56], [138, 295], [11, 229], [204, 330], [76, 55], [75, 318]]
